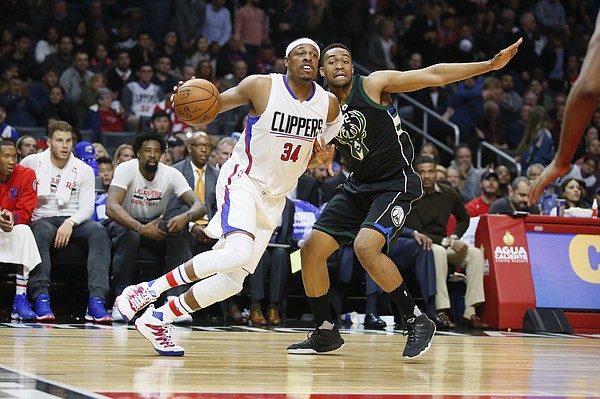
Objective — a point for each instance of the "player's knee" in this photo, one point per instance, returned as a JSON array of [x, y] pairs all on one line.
[[215, 289], [364, 249]]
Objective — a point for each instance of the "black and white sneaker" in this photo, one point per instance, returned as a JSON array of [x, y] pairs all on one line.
[[420, 333], [319, 341]]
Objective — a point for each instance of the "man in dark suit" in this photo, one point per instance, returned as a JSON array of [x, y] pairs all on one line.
[[203, 178], [329, 185]]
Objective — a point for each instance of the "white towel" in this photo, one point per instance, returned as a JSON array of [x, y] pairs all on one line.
[[44, 176]]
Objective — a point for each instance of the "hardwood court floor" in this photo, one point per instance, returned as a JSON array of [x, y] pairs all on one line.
[[82, 361]]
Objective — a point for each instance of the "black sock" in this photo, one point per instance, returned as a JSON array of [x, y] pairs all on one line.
[[371, 303], [405, 302], [321, 309]]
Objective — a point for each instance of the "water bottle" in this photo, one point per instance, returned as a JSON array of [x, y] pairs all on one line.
[[351, 317], [595, 208]]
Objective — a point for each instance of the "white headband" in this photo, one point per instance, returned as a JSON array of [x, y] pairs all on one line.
[[298, 42]]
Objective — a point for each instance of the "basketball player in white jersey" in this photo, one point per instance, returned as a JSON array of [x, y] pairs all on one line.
[[290, 117]]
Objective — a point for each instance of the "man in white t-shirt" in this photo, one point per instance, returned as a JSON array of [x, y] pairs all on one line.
[[137, 200], [63, 214]]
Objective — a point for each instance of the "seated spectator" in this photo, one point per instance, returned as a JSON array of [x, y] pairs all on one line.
[[106, 172], [21, 56], [586, 173], [161, 123], [165, 106], [140, 97], [21, 109], [102, 116], [48, 45], [59, 107], [100, 151], [18, 198], [572, 191], [6, 130], [123, 153], [489, 186], [430, 150], [504, 180], [176, 148], [517, 128], [167, 158], [239, 72], [62, 59], [469, 176], [87, 98], [537, 145], [26, 145], [163, 77], [200, 53], [412, 250], [548, 197], [119, 76], [40, 91], [62, 215], [85, 151], [273, 266], [516, 199], [137, 200], [100, 62], [429, 217], [74, 78], [593, 151]]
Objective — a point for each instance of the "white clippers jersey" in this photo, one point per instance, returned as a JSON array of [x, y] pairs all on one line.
[[144, 99], [276, 146]]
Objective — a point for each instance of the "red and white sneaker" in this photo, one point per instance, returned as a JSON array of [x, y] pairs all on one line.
[[133, 299], [151, 326]]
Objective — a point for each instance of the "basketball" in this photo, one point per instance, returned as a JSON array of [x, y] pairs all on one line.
[[197, 102]]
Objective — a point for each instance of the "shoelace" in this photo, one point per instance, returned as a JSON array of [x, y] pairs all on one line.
[[164, 335], [140, 297]]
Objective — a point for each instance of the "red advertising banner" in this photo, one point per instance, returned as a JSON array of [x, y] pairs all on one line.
[[507, 281]]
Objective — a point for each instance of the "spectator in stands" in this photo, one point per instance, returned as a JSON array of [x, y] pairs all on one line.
[[18, 198], [73, 79], [26, 145], [547, 199], [516, 199], [205, 70], [60, 107], [199, 52], [59, 18], [590, 133], [572, 191], [123, 153], [21, 109], [123, 40], [469, 176], [536, 146], [62, 59], [429, 217], [170, 48], [189, 20], [430, 150], [176, 147], [21, 56], [140, 97], [230, 55], [121, 74], [217, 25], [516, 129], [504, 179], [163, 77], [550, 13], [489, 186], [106, 172], [382, 47], [137, 200], [240, 71], [490, 128], [100, 151], [143, 52], [87, 98], [250, 26], [100, 62], [40, 91], [422, 34], [6, 130], [161, 123], [510, 98], [81, 37], [62, 215], [102, 117], [585, 173], [265, 58]]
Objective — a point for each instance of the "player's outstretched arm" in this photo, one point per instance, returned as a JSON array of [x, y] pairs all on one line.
[[581, 104], [389, 81]]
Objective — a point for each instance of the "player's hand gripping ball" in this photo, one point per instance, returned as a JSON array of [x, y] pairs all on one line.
[[197, 102]]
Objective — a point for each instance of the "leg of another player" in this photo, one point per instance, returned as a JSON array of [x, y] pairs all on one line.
[[367, 246]]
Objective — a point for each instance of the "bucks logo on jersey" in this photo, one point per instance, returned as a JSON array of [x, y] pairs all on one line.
[[353, 132]]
